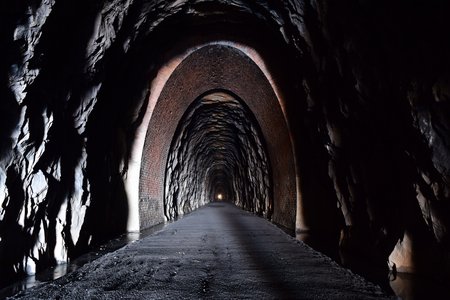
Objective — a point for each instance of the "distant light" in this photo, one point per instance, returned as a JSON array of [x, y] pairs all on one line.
[[219, 196]]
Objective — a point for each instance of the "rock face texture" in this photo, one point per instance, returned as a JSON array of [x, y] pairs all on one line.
[[218, 153], [365, 90]]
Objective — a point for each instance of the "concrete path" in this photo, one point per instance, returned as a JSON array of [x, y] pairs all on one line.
[[216, 252]]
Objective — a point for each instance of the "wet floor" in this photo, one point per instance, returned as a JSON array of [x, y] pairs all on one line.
[[216, 252], [60, 270]]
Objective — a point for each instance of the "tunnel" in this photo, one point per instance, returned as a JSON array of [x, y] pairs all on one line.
[[329, 120], [218, 67], [217, 141]]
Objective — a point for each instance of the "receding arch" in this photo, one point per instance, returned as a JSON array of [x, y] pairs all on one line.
[[218, 149], [213, 67]]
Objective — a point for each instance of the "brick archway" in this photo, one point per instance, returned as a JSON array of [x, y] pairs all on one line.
[[211, 67]]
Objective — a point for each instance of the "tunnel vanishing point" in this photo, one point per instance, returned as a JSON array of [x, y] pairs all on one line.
[[329, 118]]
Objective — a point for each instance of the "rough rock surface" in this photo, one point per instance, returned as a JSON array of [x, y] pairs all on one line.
[[369, 110], [216, 252], [218, 150]]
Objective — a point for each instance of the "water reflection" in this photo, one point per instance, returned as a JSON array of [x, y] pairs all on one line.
[[403, 285], [413, 287], [58, 271]]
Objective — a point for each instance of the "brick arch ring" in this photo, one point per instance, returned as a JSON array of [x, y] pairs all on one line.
[[213, 66]]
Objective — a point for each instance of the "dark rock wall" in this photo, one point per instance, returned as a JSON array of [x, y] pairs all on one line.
[[377, 91], [371, 85], [50, 86]]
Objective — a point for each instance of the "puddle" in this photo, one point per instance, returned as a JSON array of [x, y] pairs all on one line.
[[411, 287], [404, 286], [58, 271]]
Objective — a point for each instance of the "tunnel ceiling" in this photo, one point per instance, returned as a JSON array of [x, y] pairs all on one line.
[[366, 93], [218, 148], [210, 67]]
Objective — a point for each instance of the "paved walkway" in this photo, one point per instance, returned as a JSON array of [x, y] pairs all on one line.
[[216, 252]]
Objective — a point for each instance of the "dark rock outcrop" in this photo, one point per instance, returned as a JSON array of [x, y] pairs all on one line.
[[367, 92]]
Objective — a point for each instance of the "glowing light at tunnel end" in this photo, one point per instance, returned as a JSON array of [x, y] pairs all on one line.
[[156, 86]]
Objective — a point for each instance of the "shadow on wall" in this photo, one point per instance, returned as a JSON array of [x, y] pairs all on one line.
[[376, 144], [48, 220], [61, 186]]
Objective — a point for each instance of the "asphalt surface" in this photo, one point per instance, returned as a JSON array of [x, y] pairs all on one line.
[[216, 252]]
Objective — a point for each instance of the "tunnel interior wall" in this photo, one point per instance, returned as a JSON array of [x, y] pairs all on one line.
[[368, 85], [218, 153], [220, 67]]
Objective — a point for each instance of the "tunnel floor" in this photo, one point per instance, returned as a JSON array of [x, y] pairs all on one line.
[[217, 251]]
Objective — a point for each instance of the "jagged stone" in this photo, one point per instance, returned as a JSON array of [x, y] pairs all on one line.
[[217, 150], [366, 94]]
